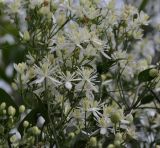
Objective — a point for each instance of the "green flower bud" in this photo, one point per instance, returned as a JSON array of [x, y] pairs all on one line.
[[93, 141], [157, 146], [153, 72], [118, 136], [100, 145], [116, 117], [110, 146], [44, 11], [14, 86], [25, 124], [11, 110], [71, 135], [4, 111], [31, 139], [26, 36], [117, 143], [36, 130], [103, 77], [2, 106], [13, 139], [21, 108]]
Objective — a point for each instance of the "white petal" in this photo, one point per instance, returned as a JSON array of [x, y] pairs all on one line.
[[105, 55], [40, 121], [54, 80], [39, 80]]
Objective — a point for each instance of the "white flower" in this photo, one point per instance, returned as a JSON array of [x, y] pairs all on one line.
[[88, 80], [34, 3], [143, 18], [20, 68], [15, 6], [77, 35], [45, 71], [67, 79]]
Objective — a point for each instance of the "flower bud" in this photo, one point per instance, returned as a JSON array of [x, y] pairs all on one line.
[[21, 108], [103, 77], [31, 139], [14, 86], [153, 72], [93, 142], [45, 11], [11, 110], [3, 105], [157, 146], [36, 130], [26, 36], [110, 146], [13, 139], [117, 143], [118, 136], [4, 111], [25, 124], [115, 117], [71, 135]]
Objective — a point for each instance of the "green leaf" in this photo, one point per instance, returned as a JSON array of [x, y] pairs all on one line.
[[144, 76], [147, 99], [143, 5]]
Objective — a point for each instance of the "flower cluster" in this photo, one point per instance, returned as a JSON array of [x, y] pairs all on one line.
[[85, 72]]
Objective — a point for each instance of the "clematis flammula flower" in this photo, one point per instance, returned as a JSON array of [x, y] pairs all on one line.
[[68, 78], [45, 71], [87, 81]]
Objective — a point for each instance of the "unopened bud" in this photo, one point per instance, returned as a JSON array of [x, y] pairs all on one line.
[[21, 108], [3, 105], [36, 130], [11, 110], [26, 36], [153, 72], [93, 141], [110, 146], [25, 124], [71, 135], [115, 117]]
